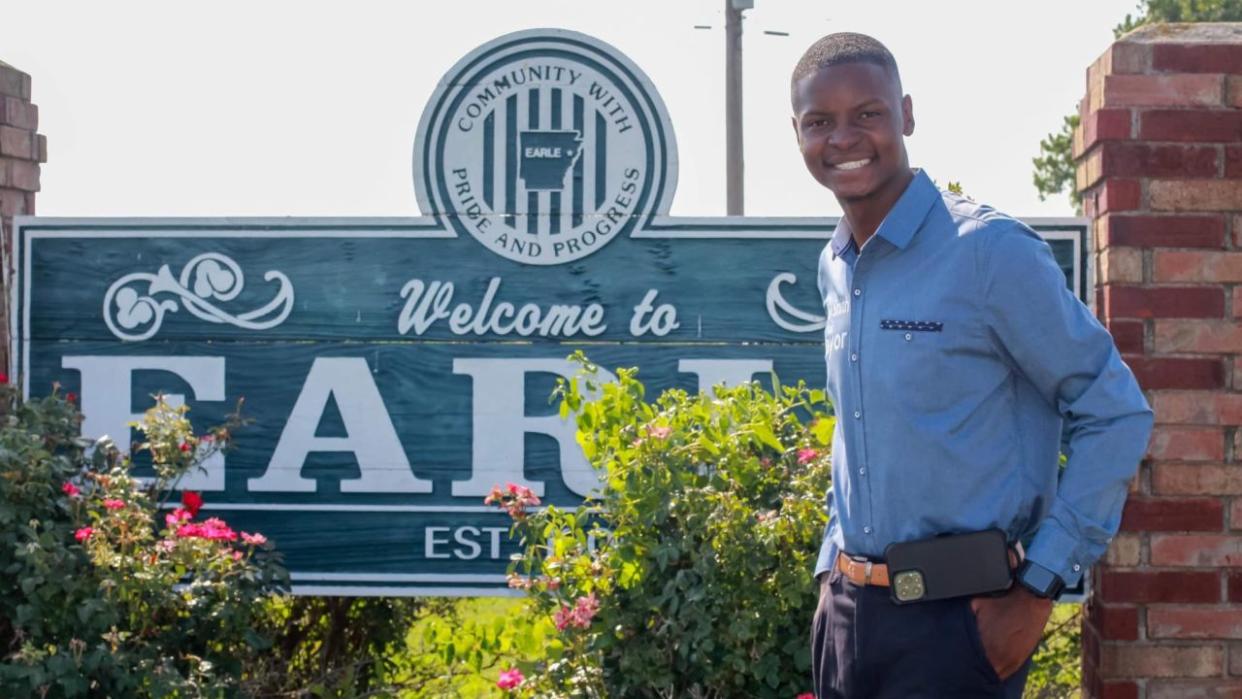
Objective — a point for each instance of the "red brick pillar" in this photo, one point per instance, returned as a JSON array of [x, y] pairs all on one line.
[[21, 151], [1159, 157]]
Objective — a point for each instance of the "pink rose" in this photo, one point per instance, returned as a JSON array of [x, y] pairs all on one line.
[[70, 489], [114, 504], [176, 517], [253, 539], [83, 534], [510, 679], [660, 432], [806, 456]]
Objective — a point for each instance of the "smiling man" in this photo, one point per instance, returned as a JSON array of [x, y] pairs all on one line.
[[958, 363]]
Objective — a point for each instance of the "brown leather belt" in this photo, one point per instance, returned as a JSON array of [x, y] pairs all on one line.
[[862, 572], [872, 573]]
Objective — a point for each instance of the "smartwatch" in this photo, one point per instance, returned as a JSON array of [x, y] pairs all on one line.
[[1040, 581]]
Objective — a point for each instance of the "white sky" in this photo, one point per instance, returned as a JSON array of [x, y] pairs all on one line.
[[309, 108]]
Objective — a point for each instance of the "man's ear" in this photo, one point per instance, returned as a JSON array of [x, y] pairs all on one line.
[[793, 121], [907, 116]]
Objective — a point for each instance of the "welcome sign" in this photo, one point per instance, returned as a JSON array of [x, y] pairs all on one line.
[[397, 368]]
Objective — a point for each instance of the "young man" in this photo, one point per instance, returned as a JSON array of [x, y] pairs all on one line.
[[957, 360]]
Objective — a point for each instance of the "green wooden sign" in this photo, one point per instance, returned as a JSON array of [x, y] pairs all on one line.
[[398, 368]]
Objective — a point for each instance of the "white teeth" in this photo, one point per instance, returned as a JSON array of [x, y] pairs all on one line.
[[852, 165]]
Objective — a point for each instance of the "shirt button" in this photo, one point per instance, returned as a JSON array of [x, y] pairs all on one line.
[[1077, 567], [858, 292], [854, 357], [866, 530], [857, 413], [909, 337], [862, 471]]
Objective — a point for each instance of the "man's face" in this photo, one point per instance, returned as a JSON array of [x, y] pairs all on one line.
[[851, 120]]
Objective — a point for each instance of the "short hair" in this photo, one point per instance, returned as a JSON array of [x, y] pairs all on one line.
[[841, 48]]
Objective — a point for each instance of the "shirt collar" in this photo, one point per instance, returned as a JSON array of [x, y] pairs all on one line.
[[902, 221]]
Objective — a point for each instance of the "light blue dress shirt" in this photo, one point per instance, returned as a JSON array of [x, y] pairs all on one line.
[[956, 356]]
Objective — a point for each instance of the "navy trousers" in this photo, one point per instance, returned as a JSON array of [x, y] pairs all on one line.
[[863, 645]]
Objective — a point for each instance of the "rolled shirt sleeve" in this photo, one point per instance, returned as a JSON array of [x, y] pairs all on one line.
[[1053, 341]]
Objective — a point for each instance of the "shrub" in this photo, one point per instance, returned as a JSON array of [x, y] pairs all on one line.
[[689, 573], [102, 592]]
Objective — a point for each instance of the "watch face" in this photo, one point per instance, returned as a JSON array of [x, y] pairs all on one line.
[[1041, 581]]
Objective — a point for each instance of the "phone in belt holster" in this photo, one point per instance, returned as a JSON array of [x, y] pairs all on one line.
[[953, 565]]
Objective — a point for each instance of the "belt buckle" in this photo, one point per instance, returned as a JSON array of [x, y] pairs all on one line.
[[867, 565]]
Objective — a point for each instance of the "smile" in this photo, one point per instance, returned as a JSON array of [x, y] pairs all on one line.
[[852, 165]]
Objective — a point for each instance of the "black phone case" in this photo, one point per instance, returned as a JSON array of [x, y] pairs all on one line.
[[955, 565]]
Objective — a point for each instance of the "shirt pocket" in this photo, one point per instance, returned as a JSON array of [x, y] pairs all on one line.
[[919, 363]]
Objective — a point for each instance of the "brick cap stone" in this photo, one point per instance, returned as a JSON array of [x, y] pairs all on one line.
[[1186, 33]]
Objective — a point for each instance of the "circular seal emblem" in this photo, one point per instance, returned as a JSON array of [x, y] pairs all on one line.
[[544, 145]]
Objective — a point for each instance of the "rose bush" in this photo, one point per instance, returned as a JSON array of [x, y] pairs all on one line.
[[101, 593], [689, 573]]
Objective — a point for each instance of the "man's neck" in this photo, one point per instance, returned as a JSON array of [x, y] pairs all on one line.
[[866, 215]]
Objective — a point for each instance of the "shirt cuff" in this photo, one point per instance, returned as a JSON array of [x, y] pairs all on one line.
[[827, 552], [1057, 550]]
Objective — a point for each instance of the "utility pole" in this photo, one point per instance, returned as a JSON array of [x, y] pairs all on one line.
[[734, 168]]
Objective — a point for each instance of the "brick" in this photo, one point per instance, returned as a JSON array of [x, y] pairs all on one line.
[[1197, 479], [1195, 195], [1197, 407], [1198, 336], [1197, 58], [1147, 160], [16, 143], [1144, 587], [1235, 512], [1134, 660], [1234, 585], [1173, 514], [1088, 172], [1175, 443], [1099, 126], [1127, 335], [1122, 301], [1125, 551], [21, 174], [12, 203], [1200, 550], [1120, 265], [40, 148], [1117, 194], [1116, 690], [1114, 622], [1178, 372], [1196, 266], [1190, 125], [1194, 622], [1162, 91], [1235, 659], [19, 113], [1194, 689], [1233, 161], [1123, 57], [1235, 91], [14, 83], [1174, 231]]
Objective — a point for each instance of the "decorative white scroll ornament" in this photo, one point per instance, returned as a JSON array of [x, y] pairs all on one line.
[[135, 314], [777, 305]]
